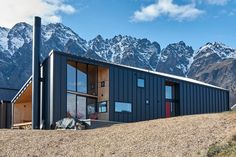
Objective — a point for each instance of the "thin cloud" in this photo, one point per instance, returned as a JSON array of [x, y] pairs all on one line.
[[14, 11], [166, 8], [213, 2]]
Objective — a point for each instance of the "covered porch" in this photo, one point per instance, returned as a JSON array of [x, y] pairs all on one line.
[[22, 106]]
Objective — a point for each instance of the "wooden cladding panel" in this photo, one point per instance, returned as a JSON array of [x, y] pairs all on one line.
[[23, 107], [22, 112], [103, 91]]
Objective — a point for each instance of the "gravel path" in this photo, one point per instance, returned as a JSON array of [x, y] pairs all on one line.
[[180, 136]]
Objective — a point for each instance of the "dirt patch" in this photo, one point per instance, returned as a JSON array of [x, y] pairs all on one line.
[[180, 136]]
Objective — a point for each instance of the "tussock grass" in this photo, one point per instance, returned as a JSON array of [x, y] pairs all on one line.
[[228, 149]]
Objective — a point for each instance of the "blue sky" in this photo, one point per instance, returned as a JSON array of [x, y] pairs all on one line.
[[165, 21]]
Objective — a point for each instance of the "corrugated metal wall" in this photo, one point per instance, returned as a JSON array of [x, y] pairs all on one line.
[[54, 88], [5, 114], [193, 98]]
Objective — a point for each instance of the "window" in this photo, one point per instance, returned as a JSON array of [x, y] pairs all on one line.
[[102, 107], [91, 108], [71, 76], [81, 107], [140, 82], [122, 107], [71, 105], [92, 79], [81, 78], [169, 94]]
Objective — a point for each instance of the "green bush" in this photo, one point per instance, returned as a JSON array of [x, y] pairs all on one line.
[[214, 150], [228, 149]]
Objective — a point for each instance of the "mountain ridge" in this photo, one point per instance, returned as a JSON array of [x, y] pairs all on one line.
[[211, 59]]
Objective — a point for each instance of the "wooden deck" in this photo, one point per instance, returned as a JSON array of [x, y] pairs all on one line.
[[27, 125]]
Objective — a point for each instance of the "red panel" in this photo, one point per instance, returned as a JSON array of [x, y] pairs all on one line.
[[168, 113]]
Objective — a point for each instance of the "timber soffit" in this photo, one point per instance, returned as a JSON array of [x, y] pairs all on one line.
[[23, 88]]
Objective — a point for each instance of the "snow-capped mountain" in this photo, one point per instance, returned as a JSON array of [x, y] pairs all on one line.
[[3, 39], [127, 50], [210, 54], [213, 63], [62, 38], [216, 48], [16, 49], [176, 59]]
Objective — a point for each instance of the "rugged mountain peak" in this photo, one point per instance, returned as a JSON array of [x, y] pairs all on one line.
[[21, 26], [176, 50], [4, 29], [99, 38], [217, 49], [3, 39], [117, 38], [123, 48], [62, 32], [177, 57], [18, 35], [62, 38]]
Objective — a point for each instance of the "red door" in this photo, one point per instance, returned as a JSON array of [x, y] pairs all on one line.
[[168, 112]]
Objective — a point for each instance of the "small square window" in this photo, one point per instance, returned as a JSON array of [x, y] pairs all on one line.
[[102, 107], [140, 82]]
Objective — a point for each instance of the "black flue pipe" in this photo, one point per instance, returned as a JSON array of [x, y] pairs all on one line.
[[36, 73]]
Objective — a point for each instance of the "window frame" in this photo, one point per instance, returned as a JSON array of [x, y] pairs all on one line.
[[141, 85], [99, 104], [75, 92]]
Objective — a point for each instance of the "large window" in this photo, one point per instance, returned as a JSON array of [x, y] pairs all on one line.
[[123, 107], [71, 76], [91, 108], [71, 105], [92, 79], [81, 89], [140, 82], [81, 107], [82, 78]]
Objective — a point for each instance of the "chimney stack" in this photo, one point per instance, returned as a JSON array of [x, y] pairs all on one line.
[[36, 73]]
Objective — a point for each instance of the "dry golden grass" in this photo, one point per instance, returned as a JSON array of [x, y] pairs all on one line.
[[179, 136]]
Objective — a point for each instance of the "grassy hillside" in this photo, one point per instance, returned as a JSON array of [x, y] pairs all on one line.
[[179, 136]]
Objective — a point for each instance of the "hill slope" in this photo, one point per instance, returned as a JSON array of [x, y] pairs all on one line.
[[180, 136]]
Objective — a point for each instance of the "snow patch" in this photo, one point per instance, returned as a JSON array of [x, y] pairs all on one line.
[[3, 39]]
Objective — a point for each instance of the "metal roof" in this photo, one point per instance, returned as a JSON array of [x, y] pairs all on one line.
[[143, 70], [172, 76]]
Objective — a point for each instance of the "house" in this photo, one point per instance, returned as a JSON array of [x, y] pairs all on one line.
[[66, 85]]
